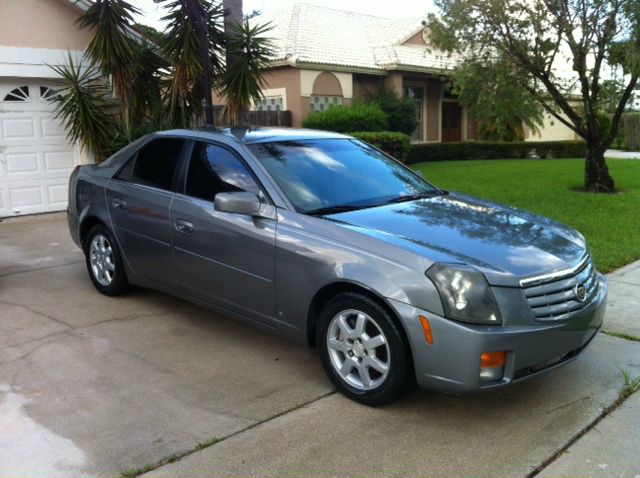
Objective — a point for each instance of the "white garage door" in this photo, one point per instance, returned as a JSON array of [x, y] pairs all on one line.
[[35, 156]]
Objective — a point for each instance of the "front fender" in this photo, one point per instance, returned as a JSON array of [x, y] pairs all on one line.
[[307, 262]]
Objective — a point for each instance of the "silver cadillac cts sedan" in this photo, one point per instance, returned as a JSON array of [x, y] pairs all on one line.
[[325, 240]]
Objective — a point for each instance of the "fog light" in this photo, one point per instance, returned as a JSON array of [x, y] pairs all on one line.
[[492, 366]]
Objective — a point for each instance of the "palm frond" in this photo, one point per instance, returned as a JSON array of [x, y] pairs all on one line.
[[112, 46], [84, 107]]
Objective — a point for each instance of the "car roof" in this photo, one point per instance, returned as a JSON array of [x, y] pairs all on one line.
[[249, 135]]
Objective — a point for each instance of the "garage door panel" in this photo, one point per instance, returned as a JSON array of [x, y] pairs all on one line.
[[58, 161], [19, 129], [26, 196], [58, 195], [52, 129], [22, 163]]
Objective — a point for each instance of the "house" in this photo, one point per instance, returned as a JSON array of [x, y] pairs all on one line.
[[326, 57], [35, 156]]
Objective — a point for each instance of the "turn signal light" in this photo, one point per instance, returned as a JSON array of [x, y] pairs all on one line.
[[493, 359], [426, 326]]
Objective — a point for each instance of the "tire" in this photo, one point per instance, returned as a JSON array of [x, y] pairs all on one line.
[[348, 338], [104, 262]]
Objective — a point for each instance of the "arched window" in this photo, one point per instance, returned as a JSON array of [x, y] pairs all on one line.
[[326, 93], [19, 94]]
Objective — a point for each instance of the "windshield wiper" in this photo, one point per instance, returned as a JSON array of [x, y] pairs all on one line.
[[410, 197], [321, 211]]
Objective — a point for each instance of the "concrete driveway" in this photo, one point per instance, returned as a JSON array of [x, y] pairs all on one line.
[[91, 385]]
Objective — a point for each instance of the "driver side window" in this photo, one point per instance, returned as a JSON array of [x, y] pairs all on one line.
[[214, 169]]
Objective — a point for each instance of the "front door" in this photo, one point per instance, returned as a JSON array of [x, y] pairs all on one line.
[[139, 200], [224, 258], [451, 122]]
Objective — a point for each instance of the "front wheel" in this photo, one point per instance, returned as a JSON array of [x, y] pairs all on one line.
[[363, 350]]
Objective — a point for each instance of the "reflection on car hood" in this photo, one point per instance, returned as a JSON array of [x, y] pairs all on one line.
[[502, 241]]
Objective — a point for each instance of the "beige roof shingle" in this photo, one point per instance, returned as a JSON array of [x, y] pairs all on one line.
[[311, 34]]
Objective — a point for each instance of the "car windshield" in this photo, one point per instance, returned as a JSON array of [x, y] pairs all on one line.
[[333, 175]]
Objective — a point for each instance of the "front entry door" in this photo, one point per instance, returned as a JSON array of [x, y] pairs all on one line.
[[224, 258], [451, 122]]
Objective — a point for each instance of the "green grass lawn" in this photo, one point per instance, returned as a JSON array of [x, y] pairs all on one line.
[[610, 223]]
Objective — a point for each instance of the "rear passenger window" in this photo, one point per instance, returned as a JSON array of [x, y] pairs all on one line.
[[214, 169], [156, 163]]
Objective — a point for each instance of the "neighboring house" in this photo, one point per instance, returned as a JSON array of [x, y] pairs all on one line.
[[328, 57], [35, 156]]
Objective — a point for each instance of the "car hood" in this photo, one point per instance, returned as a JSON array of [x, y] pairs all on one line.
[[507, 244]]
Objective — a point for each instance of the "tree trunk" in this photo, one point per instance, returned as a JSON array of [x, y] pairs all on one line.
[[596, 174], [234, 15]]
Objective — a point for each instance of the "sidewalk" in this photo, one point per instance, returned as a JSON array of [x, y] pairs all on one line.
[[611, 448], [617, 154]]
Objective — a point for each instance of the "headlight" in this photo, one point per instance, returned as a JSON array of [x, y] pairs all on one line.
[[465, 293]]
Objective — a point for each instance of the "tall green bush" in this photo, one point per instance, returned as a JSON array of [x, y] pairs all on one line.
[[342, 119], [400, 112], [391, 142]]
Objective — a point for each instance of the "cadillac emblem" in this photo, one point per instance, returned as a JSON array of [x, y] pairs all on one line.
[[580, 292]]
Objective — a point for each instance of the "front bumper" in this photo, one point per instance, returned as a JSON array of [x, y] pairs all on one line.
[[452, 362]]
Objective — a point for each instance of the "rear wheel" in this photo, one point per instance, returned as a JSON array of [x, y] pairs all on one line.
[[363, 350], [104, 262]]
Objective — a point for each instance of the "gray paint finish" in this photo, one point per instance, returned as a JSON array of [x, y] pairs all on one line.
[[268, 268]]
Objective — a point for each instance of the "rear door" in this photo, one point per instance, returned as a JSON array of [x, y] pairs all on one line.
[[139, 198], [225, 258]]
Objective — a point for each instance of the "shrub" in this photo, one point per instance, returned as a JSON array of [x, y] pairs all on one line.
[[400, 112], [391, 142], [489, 150], [343, 119]]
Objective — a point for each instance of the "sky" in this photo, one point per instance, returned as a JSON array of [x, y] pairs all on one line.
[[394, 9]]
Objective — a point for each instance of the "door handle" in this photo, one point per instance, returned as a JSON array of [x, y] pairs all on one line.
[[184, 226], [119, 204]]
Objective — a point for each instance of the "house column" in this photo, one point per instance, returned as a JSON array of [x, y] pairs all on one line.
[[434, 111]]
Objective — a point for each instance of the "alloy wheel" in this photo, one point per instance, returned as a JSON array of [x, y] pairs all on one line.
[[358, 349], [102, 260]]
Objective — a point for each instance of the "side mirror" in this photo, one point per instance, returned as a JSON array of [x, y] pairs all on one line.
[[418, 173], [240, 202]]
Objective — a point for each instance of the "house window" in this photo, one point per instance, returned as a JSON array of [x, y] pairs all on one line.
[[270, 103], [19, 94], [322, 103]]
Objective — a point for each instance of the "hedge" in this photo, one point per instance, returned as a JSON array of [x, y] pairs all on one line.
[[391, 142], [490, 150], [342, 119]]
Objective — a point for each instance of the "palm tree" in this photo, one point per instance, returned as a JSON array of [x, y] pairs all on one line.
[[183, 48], [243, 81]]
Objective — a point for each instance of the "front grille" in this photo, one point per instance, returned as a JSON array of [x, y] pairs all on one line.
[[553, 297]]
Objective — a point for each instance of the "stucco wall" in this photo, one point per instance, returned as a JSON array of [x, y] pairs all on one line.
[[288, 78], [551, 130], [41, 24]]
